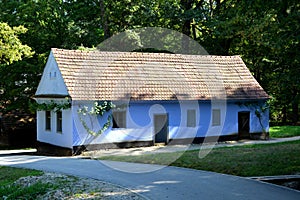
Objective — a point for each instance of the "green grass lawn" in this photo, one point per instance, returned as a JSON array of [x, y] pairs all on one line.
[[16, 183], [10, 191], [249, 160], [284, 131], [8, 174]]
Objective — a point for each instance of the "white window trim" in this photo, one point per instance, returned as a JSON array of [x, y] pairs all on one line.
[[46, 120], [56, 120]]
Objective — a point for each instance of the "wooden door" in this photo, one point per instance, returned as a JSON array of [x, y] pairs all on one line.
[[244, 124], [161, 128]]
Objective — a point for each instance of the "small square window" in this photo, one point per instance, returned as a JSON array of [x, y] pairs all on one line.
[[216, 117], [52, 74], [191, 118]]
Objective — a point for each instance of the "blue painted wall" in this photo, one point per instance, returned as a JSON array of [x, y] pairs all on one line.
[[140, 121]]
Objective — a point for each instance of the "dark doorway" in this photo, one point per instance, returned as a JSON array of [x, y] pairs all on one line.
[[244, 124], [161, 128]]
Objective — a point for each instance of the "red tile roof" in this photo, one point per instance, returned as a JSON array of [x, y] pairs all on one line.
[[97, 75]]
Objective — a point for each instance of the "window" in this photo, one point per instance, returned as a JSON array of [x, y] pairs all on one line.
[[52, 74], [191, 118], [216, 117], [59, 121], [48, 120], [119, 119]]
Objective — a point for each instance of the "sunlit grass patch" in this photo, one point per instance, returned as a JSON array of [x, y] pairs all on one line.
[[284, 131], [249, 160]]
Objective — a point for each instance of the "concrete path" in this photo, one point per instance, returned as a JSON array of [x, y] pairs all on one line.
[[157, 182], [177, 148]]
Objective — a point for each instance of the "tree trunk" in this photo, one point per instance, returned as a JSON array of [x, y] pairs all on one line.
[[218, 5], [186, 28], [284, 117], [211, 7], [104, 20], [194, 31], [295, 107]]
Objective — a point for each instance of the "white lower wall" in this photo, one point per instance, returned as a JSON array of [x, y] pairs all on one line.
[[64, 138]]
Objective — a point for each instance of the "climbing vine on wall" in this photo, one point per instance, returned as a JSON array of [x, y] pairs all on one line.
[[259, 110], [95, 110], [51, 105]]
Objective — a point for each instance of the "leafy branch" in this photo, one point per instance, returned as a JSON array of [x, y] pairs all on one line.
[[51, 105], [97, 109], [259, 110], [99, 132]]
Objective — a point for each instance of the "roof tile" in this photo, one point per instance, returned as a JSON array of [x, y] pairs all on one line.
[[98, 75]]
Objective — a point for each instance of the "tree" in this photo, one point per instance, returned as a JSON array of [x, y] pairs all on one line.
[[59, 24], [11, 48], [11, 51], [264, 33]]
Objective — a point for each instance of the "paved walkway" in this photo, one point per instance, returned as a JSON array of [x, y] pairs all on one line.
[[155, 181], [176, 148]]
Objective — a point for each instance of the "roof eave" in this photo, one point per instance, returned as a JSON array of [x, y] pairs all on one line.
[[58, 96]]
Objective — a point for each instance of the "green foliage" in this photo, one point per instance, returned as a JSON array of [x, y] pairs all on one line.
[[8, 174], [97, 109], [42, 186], [11, 192], [13, 74], [259, 108], [284, 131], [60, 24], [51, 105], [12, 48], [264, 33], [250, 160], [99, 132]]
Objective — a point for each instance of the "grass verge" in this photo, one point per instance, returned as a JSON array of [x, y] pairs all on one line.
[[16, 183], [250, 160], [30, 192], [284, 131], [9, 174], [9, 190]]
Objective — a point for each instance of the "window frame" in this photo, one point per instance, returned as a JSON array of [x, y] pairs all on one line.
[[216, 117], [191, 118], [48, 117], [59, 121], [118, 115]]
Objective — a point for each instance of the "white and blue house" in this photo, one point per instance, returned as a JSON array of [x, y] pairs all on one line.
[[158, 98]]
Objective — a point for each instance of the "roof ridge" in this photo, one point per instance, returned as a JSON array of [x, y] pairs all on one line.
[[107, 75], [142, 53]]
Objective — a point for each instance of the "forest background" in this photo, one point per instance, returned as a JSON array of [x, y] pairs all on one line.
[[264, 33]]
